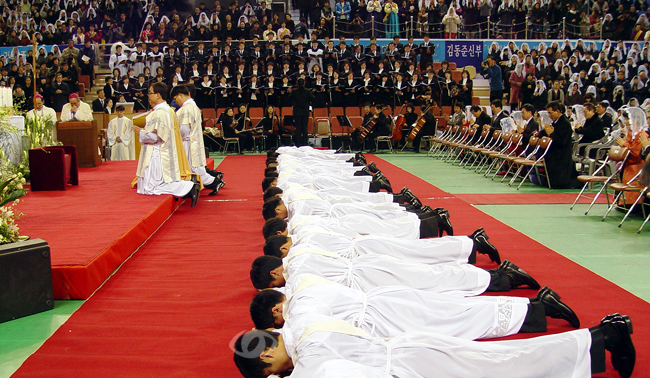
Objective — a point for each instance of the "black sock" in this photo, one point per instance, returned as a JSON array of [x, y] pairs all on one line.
[[374, 187], [499, 282], [399, 198], [428, 227], [535, 320], [597, 350]]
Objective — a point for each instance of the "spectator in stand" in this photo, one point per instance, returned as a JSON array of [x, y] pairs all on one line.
[[451, 22]]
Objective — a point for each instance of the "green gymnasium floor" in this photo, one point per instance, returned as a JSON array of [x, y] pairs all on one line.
[[620, 255]]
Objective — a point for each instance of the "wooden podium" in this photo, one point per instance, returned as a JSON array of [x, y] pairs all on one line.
[[85, 136]]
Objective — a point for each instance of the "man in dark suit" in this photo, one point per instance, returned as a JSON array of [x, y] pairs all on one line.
[[605, 118], [592, 130], [531, 127], [301, 99], [59, 93], [561, 169], [99, 104], [497, 115]]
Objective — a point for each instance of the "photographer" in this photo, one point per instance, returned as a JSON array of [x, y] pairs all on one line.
[[493, 73]]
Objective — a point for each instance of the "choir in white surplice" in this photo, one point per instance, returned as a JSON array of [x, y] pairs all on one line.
[[338, 299]]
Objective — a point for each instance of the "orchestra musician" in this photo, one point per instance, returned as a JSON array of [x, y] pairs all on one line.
[[410, 117], [429, 126], [375, 123], [241, 125], [272, 127]]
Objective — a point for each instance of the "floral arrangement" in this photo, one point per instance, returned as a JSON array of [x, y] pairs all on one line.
[[11, 189]]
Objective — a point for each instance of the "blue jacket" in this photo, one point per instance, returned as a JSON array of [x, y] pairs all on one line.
[[493, 73]]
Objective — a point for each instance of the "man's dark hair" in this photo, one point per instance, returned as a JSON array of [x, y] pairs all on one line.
[[271, 160], [267, 182], [180, 89], [272, 226], [99, 90], [261, 271], [273, 191], [589, 106], [268, 209], [555, 106], [528, 107], [120, 108], [604, 104], [273, 244], [268, 170], [476, 108], [589, 98], [161, 89], [460, 104], [248, 348], [261, 308], [191, 88], [497, 103]]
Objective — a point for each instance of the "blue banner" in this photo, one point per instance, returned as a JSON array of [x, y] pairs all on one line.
[[464, 53], [8, 52]]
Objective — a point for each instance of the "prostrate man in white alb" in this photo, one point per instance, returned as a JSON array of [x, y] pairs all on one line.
[[76, 110], [189, 122], [159, 169], [388, 311], [45, 113], [120, 136]]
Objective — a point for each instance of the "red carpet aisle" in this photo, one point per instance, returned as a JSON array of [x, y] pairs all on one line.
[[173, 308], [588, 294]]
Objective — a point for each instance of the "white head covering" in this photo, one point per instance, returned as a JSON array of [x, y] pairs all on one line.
[[573, 85], [540, 87], [541, 65], [567, 44], [591, 89], [646, 105], [520, 70], [639, 85], [503, 53], [594, 69], [544, 118], [638, 120], [579, 114], [599, 78], [558, 65]]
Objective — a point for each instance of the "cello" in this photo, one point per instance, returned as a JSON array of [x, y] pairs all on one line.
[[367, 128], [419, 124], [400, 121]]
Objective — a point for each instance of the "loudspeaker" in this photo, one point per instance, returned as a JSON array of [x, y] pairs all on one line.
[[25, 279]]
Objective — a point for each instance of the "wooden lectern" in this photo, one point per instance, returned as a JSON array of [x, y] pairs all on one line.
[[84, 135]]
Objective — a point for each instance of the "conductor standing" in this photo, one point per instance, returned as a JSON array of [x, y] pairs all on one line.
[[301, 99]]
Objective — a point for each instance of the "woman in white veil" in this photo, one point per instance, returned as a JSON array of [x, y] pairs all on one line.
[[63, 16], [635, 121]]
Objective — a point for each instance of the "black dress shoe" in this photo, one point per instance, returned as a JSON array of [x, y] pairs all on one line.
[[383, 182], [443, 222], [518, 277], [216, 190], [212, 172], [555, 308], [359, 156], [616, 329], [373, 167], [403, 191], [194, 193], [363, 172], [482, 245]]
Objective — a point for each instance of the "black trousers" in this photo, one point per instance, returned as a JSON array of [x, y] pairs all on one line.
[[301, 134]]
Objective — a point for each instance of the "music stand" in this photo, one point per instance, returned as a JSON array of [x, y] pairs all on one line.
[[344, 121]]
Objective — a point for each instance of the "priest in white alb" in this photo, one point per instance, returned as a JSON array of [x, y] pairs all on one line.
[[189, 122], [76, 110], [163, 167], [120, 136]]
